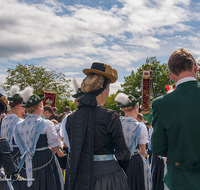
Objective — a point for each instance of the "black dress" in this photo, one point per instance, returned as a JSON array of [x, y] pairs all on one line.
[[108, 139], [157, 170], [6, 160], [45, 173]]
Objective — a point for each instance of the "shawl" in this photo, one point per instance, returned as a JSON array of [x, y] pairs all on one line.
[[132, 130], [27, 133], [7, 127]]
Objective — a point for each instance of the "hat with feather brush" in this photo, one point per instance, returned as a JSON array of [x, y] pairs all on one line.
[[14, 93], [30, 99], [125, 101], [77, 88]]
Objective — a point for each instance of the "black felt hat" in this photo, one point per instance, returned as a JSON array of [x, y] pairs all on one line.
[[103, 69], [3, 103]]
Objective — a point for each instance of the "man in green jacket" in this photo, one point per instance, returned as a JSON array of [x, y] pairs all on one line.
[[176, 124]]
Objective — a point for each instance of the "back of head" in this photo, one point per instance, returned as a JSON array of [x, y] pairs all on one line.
[[180, 61], [3, 103], [140, 117], [92, 82], [48, 108], [54, 109], [67, 109]]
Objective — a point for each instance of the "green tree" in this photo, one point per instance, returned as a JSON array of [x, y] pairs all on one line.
[[111, 104], [132, 84], [198, 71], [37, 76], [66, 102]]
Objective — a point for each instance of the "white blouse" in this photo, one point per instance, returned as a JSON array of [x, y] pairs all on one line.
[[49, 130]]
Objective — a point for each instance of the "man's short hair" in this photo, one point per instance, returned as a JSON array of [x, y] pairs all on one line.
[[48, 108], [54, 109], [181, 60], [140, 116], [67, 108]]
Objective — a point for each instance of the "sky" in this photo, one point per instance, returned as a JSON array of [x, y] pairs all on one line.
[[69, 35]]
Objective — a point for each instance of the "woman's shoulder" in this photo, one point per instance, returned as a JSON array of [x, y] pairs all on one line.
[[106, 110], [128, 119]]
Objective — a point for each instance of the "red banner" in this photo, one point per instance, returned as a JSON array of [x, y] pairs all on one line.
[[146, 86], [50, 98]]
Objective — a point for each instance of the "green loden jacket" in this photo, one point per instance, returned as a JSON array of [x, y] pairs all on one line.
[[176, 135]]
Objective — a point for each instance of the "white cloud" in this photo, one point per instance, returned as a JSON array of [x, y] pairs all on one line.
[[114, 87], [119, 36], [2, 81]]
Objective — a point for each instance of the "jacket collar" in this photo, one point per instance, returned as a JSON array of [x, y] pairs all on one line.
[[186, 79]]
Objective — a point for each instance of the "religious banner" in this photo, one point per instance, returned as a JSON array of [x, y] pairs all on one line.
[[146, 91], [50, 98]]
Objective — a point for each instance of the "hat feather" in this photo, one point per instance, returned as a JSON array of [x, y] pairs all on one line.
[[26, 93], [122, 98], [14, 90], [76, 84]]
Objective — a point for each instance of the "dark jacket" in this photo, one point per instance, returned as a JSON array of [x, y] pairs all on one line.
[[176, 135]]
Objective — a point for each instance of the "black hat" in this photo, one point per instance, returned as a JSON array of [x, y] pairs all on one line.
[[30, 99], [79, 93], [102, 69], [14, 94], [3, 103], [125, 101]]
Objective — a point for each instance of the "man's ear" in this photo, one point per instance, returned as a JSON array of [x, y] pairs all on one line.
[[172, 76]]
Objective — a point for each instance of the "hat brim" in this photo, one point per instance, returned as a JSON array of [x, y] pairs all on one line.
[[15, 99], [23, 104], [130, 104], [78, 94], [3, 106], [110, 77]]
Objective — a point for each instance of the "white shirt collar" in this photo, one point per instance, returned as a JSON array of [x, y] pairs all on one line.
[[186, 79]]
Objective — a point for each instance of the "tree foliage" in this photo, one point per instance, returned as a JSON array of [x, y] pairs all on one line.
[[132, 84], [61, 105], [37, 76], [111, 104]]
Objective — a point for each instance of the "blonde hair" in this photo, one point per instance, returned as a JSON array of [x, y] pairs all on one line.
[[92, 82], [55, 122], [130, 108], [32, 108]]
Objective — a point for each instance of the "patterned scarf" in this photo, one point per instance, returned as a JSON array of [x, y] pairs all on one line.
[[131, 129], [7, 127], [27, 134]]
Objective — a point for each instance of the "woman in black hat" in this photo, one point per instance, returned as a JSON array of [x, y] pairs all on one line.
[[95, 136], [6, 159], [10, 120], [34, 135], [138, 173]]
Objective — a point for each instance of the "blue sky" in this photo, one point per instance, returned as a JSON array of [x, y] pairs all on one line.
[[69, 35]]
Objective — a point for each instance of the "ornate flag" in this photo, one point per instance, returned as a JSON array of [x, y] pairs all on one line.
[[50, 98], [146, 90]]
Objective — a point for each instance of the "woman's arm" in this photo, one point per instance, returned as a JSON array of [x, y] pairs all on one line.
[[122, 152], [142, 148]]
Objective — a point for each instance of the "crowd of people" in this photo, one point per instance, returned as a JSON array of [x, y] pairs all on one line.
[[94, 148]]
